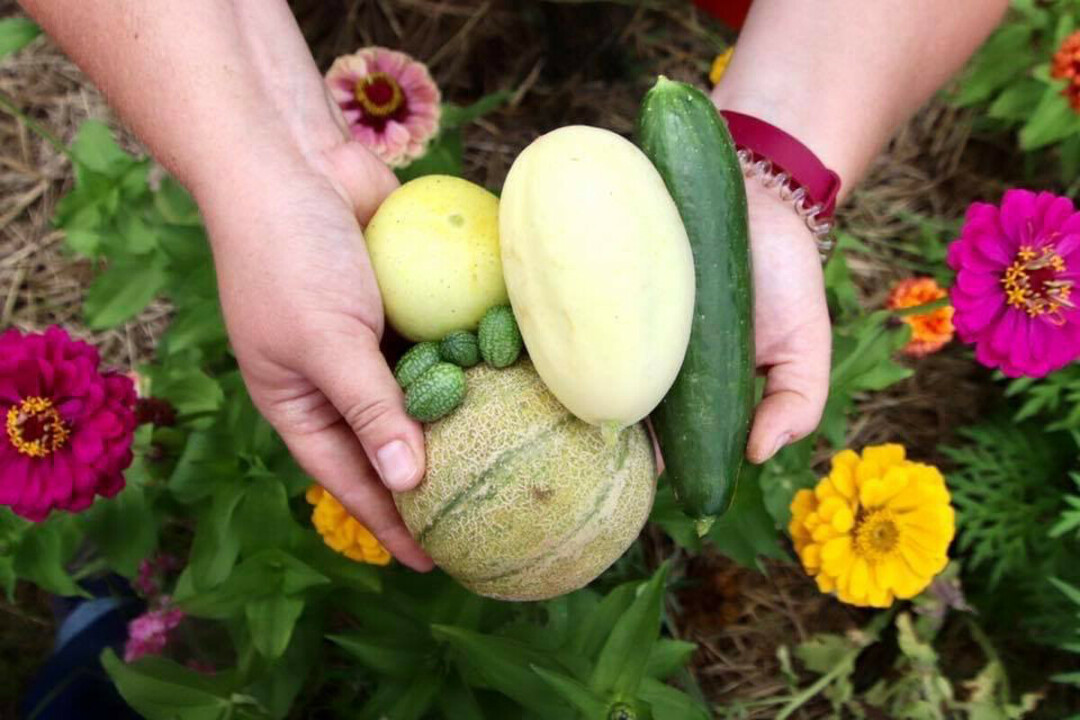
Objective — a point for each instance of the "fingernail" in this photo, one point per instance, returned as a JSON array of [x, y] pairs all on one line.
[[781, 442], [396, 465]]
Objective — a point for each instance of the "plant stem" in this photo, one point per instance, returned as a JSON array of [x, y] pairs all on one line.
[[8, 105], [871, 631]]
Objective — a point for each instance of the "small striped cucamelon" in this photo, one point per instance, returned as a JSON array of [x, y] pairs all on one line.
[[500, 339], [418, 360], [461, 348], [521, 500], [435, 393]]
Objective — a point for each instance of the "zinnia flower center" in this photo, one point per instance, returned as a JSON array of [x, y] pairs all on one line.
[[876, 534], [1032, 284], [35, 427], [379, 95]]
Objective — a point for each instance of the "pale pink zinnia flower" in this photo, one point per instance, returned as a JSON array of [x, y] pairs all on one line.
[[148, 634], [1016, 270], [389, 101]]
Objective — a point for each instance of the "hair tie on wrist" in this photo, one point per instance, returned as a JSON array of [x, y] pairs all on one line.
[[780, 161]]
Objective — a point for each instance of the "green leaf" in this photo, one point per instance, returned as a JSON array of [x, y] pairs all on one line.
[[206, 461], [198, 323], [139, 238], [1053, 119], [840, 288], [668, 515], [506, 666], [263, 519], [574, 692], [444, 156], [216, 545], [601, 621], [1006, 55], [622, 662], [1066, 24], [126, 287], [8, 577], [278, 689], [668, 702], [343, 571], [15, 34], [789, 471], [175, 204], [190, 390], [43, 553], [124, 529], [159, 689], [668, 657], [1070, 159], [382, 654], [271, 621], [454, 116], [823, 652], [457, 702], [404, 700], [747, 531], [1016, 102], [94, 148]]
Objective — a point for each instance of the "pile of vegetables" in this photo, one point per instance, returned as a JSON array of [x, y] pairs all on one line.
[[627, 273]]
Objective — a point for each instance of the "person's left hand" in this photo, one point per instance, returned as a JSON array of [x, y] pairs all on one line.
[[791, 324]]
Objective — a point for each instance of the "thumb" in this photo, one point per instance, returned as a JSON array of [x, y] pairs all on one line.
[[353, 375], [362, 179], [795, 395]]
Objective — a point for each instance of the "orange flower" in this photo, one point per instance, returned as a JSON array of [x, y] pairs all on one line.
[[1066, 66], [720, 64], [929, 332], [342, 532]]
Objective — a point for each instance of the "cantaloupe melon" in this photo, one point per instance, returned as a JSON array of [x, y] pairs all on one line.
[[523, 501]]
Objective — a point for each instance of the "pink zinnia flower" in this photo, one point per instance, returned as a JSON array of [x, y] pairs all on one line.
[[68, 426], [1015, 271], [152, 572], [389, 101], [148, 634]]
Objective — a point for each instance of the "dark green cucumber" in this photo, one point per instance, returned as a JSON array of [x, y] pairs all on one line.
[[703, 422]]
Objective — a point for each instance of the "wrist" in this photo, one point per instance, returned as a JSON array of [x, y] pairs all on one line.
[[803, 118]]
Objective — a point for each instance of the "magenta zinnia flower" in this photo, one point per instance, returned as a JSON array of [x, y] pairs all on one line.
[[148, 634], [389, 101], [1015, 270], [68, 427]]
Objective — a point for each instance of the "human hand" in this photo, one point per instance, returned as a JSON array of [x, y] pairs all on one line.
[[791, 324], [305, 320]]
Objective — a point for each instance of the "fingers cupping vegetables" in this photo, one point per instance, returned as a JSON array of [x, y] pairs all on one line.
[[434, 245], [599, 272], [523, 501], [703, 422]]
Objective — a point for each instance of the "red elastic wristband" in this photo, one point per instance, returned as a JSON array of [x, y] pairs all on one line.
[[768, 142]]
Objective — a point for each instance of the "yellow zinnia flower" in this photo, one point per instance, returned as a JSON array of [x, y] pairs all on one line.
[[878, 527], [719, 65], [342, 532]]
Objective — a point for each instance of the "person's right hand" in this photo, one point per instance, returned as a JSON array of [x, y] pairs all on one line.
[[305, 319]]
